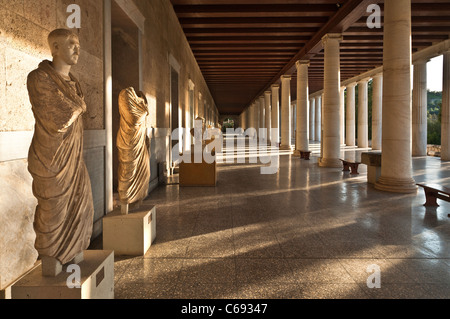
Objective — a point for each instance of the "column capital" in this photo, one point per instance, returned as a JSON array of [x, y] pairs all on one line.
[[378, 75], [267, 93], [191, 85], [421, 61], [332, 36], [365, 80], [275, 86], [302, 62], [286, 77]]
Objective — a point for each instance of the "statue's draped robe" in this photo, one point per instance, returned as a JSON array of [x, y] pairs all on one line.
[[64, 215], [132, 144]]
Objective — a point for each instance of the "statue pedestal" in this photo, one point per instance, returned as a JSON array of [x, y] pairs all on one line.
[[132, 234], [198, 174], [96, 280], [373, 162]]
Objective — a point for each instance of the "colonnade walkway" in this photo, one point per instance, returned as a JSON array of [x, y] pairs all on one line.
[[303, 233]]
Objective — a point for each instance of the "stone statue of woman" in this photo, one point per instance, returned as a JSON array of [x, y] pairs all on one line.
[[133, 144], [64, 215]]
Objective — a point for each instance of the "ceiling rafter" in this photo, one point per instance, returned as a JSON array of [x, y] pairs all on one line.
[[245, 46]]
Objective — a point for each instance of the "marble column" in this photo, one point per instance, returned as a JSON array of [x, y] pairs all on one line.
[[312, 118], [256, 111], [302, 141], [286, 131], [377, 107], [275, 113], [255, 116], [331, 102], [318, 122], [268, 115], [396, 166], [350, 123], [247, 118], [249, 124], [363, 114], [342, 114], [262, 109], [419, 109], [445, 138]]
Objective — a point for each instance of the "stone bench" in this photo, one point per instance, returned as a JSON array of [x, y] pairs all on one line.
[[350, 166], [434, 192], [373, 162]]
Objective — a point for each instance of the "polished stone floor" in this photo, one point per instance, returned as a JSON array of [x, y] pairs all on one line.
[[303, 233]]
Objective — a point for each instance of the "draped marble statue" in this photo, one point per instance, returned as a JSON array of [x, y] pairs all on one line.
[[132, 144], [64, 215]]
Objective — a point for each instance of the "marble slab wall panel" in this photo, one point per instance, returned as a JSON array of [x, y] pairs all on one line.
[[89, 72], [17, 253], [96, 168], [16, 113], [19, 33], [2, 79]]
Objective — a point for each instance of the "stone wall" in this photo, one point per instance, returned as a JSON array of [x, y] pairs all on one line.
[[434, 150], [164, 44], [23, 45]]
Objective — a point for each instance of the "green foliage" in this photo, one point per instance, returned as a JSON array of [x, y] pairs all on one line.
[[434, 114], [434, 117], [228, 123]]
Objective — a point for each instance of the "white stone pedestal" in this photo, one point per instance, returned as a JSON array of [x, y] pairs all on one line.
[[373, 162], [373, 174], [132, 234], [96, 280]]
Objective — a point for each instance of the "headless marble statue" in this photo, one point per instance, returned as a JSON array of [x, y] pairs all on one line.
[[132, 144], [64, 215]]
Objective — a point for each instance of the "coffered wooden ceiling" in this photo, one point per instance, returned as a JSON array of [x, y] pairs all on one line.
[[245, 46]]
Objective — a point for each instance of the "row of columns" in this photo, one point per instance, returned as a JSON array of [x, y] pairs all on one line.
[[264, 113], [399, 114], [309, 113]]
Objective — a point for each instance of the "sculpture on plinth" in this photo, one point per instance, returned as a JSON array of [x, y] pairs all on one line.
[[133, 144], [199, 129], [64, 215]]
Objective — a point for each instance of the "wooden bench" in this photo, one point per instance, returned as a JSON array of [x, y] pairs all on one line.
[[353, 165], [305, 155], [434, 192]]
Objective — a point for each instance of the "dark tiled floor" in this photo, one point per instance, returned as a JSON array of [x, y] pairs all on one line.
[[304, 233]]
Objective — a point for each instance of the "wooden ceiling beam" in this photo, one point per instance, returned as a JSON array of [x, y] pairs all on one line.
[[248, 8]]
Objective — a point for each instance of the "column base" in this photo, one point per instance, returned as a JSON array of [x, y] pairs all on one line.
[[394, 185], [330, 162], [286, 148]]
